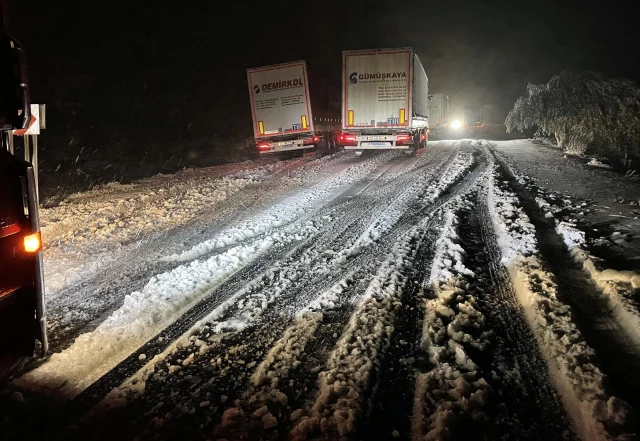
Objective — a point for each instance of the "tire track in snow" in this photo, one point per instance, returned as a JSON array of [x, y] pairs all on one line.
[[354, 391], [487, 379], [93, 352], [390, 408], [130, 365], [82, 306], [337, 239], [288, 210], [530, 403], [618, 287]]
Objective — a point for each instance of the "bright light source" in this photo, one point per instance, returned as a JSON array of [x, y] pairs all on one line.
[[456, 124], [32, 243]]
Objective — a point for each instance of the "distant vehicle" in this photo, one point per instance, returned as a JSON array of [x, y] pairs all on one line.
[[384, 100], [22, 311], [282, 112], [439, 113], [472, 117]]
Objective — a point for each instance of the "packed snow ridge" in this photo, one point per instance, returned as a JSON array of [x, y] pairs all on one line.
[[454, 393]]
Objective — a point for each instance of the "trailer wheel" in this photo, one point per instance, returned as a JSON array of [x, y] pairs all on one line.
[[423, 144]]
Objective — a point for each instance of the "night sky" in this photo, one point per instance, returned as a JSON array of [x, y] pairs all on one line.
[[173, 73]]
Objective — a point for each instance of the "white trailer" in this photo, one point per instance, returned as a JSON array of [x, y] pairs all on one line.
[[438, 111], [385, 98], [280, 108]]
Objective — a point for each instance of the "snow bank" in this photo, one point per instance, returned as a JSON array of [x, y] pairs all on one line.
[[571, 361], [105, 221]]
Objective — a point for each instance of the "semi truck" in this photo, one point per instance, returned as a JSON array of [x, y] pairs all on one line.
[[385, 95], [281, 108], [22, 307], [438, 113]]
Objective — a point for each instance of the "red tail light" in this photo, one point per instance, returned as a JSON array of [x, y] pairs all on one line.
[[264, 146], [312, 140], [403, 139], [347, 139]]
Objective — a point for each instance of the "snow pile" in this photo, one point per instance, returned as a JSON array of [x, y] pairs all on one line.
[[285, 211], [449, 254], [352, 366], [516, 235], [453, 393], [572, 362], [571, 236]]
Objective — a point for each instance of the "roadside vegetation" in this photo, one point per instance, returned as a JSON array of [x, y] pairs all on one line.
[[585, 113]]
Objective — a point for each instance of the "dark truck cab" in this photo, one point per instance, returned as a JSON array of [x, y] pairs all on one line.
[[22, 320], [22, 311]]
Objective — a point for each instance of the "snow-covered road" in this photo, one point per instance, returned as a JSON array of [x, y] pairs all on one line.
[[375, 297]]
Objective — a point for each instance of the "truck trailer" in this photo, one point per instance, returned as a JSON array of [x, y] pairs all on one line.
[[281, 108], [438, 113], [472, 117], [385, 96]]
